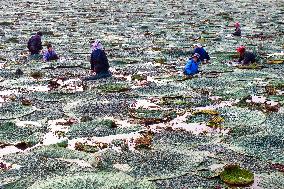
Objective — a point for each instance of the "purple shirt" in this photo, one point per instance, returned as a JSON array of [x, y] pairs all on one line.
[[50, 55]]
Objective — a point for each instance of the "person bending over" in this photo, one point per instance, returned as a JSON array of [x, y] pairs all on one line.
[[192, 64], [50, 54], [99, 62], [204, 57], [246, 57]]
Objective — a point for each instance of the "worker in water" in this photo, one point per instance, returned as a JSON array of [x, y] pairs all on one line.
[[238, 31], [192, 64], [99, 62], [204, 57], [50, 54], [34, 44], [246, 57]]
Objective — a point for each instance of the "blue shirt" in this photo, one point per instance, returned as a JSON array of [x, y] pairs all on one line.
[[191, 67], [50, 55]]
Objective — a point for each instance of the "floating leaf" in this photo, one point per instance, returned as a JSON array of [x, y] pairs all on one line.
[[234, 175]]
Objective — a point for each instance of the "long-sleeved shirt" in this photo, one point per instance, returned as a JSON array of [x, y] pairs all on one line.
[[203, 54], [50, 55], [247, 58], [99, 61], [34, 44], [191, 67]]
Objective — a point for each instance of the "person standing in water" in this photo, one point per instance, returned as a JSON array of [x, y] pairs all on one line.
[[238, 31], [34, 44], [99, 62]]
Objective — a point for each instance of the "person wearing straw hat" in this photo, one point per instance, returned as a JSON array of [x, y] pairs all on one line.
[[192, 64]]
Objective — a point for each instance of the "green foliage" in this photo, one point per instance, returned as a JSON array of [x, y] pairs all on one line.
[[56, 151], [13, 40], [253, 66], [271, 180], [138, 77], [210, 117], [11, 133], [215, 122], [35, 167], [92, 128], [14, 109], [175, 52], [63, 144], [198, 118], [156, 32], [277, 84], [160, 60], [91, 180], [6, 23], [149, 117], [160, 114], [35, 57], [262, 145], [236, 116], [234, 175], [177, 100], [126, 130], [225, 15], [226, 55]]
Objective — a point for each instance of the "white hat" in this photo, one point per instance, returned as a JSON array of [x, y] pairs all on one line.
[[198, 45], [196, 55]]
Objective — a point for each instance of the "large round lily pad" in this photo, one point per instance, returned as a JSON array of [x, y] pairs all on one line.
[[10, 133], [234, 175], [236, 116], [93, 128], [13, 110]]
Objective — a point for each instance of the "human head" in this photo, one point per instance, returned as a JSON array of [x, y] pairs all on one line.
[[237, 25], [241, 49], [49, 47], [39, 33], [195, 57], [97, 45], [197, 45]]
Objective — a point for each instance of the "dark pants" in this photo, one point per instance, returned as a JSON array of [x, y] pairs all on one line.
[[252, 61], [34, 52], [100, 75]]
